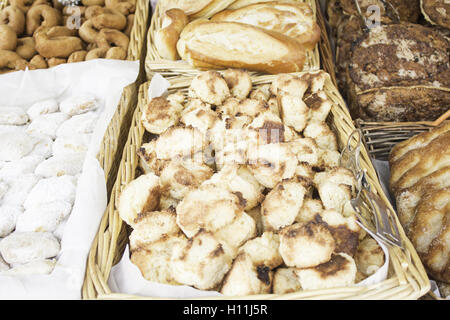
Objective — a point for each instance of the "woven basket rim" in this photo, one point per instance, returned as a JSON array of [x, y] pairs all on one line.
[[406, 282]]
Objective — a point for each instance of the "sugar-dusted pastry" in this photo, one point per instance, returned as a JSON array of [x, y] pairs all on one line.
[[19, 189], [13, 116], [52, 189], [8, 218], [47, 124], [79, 124], [43, 147], [61, 165], [79, 104], [42, 107], [44, 217], [44, 266], [3, 265], [71, 145], [15, 146], [26, 165], [24, 247]]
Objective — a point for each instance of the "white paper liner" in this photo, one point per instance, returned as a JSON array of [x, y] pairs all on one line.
[[106, 80], [126, 278]]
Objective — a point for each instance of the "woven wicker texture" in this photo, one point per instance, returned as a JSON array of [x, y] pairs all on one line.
[[155, 64], [407, 277]]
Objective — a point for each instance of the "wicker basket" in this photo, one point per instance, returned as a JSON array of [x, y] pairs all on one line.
[[138, 33], [407, 277], [381, 137], [155, 64]]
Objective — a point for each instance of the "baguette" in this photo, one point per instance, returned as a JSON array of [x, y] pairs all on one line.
[[211, 9], [166, 38], [189, 7], [294, 20], [243, 3], [237, 45]]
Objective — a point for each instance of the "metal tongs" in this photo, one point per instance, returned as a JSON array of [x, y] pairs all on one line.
[[373, 214]]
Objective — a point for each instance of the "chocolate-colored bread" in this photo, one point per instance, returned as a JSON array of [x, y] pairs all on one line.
[[399, 72], [437, 12], [408, 10]]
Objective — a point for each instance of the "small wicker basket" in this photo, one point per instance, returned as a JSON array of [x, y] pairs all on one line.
[[381, 137], [155, 64], [407, 277]]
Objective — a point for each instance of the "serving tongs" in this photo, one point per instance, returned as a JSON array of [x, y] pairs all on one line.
[[372, 213]]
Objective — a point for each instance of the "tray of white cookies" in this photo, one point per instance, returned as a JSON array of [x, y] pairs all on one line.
[[230, 185], [54, 130]]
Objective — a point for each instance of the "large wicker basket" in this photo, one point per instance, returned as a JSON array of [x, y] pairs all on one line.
[[155, 64], [407, 277], [138, 33]]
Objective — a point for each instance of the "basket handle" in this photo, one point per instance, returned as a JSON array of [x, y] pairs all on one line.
[[442, 118]]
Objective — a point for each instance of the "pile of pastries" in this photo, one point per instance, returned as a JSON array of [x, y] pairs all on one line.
[[394, 70], [420, 182], [240, 190], [39, 34], [265, 36], [42, 151]]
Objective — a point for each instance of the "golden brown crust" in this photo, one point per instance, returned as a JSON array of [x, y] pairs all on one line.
[[166, 38], [437, 12], [420, 177], [282, 16], [208, 43]]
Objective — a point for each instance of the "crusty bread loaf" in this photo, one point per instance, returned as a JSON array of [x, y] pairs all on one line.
[[420, 182], [395, 63], [166, 38], [190, 7], [211, 9], [295, 20], [243, 3], [437, 12], [408, 10], [237, 45]]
